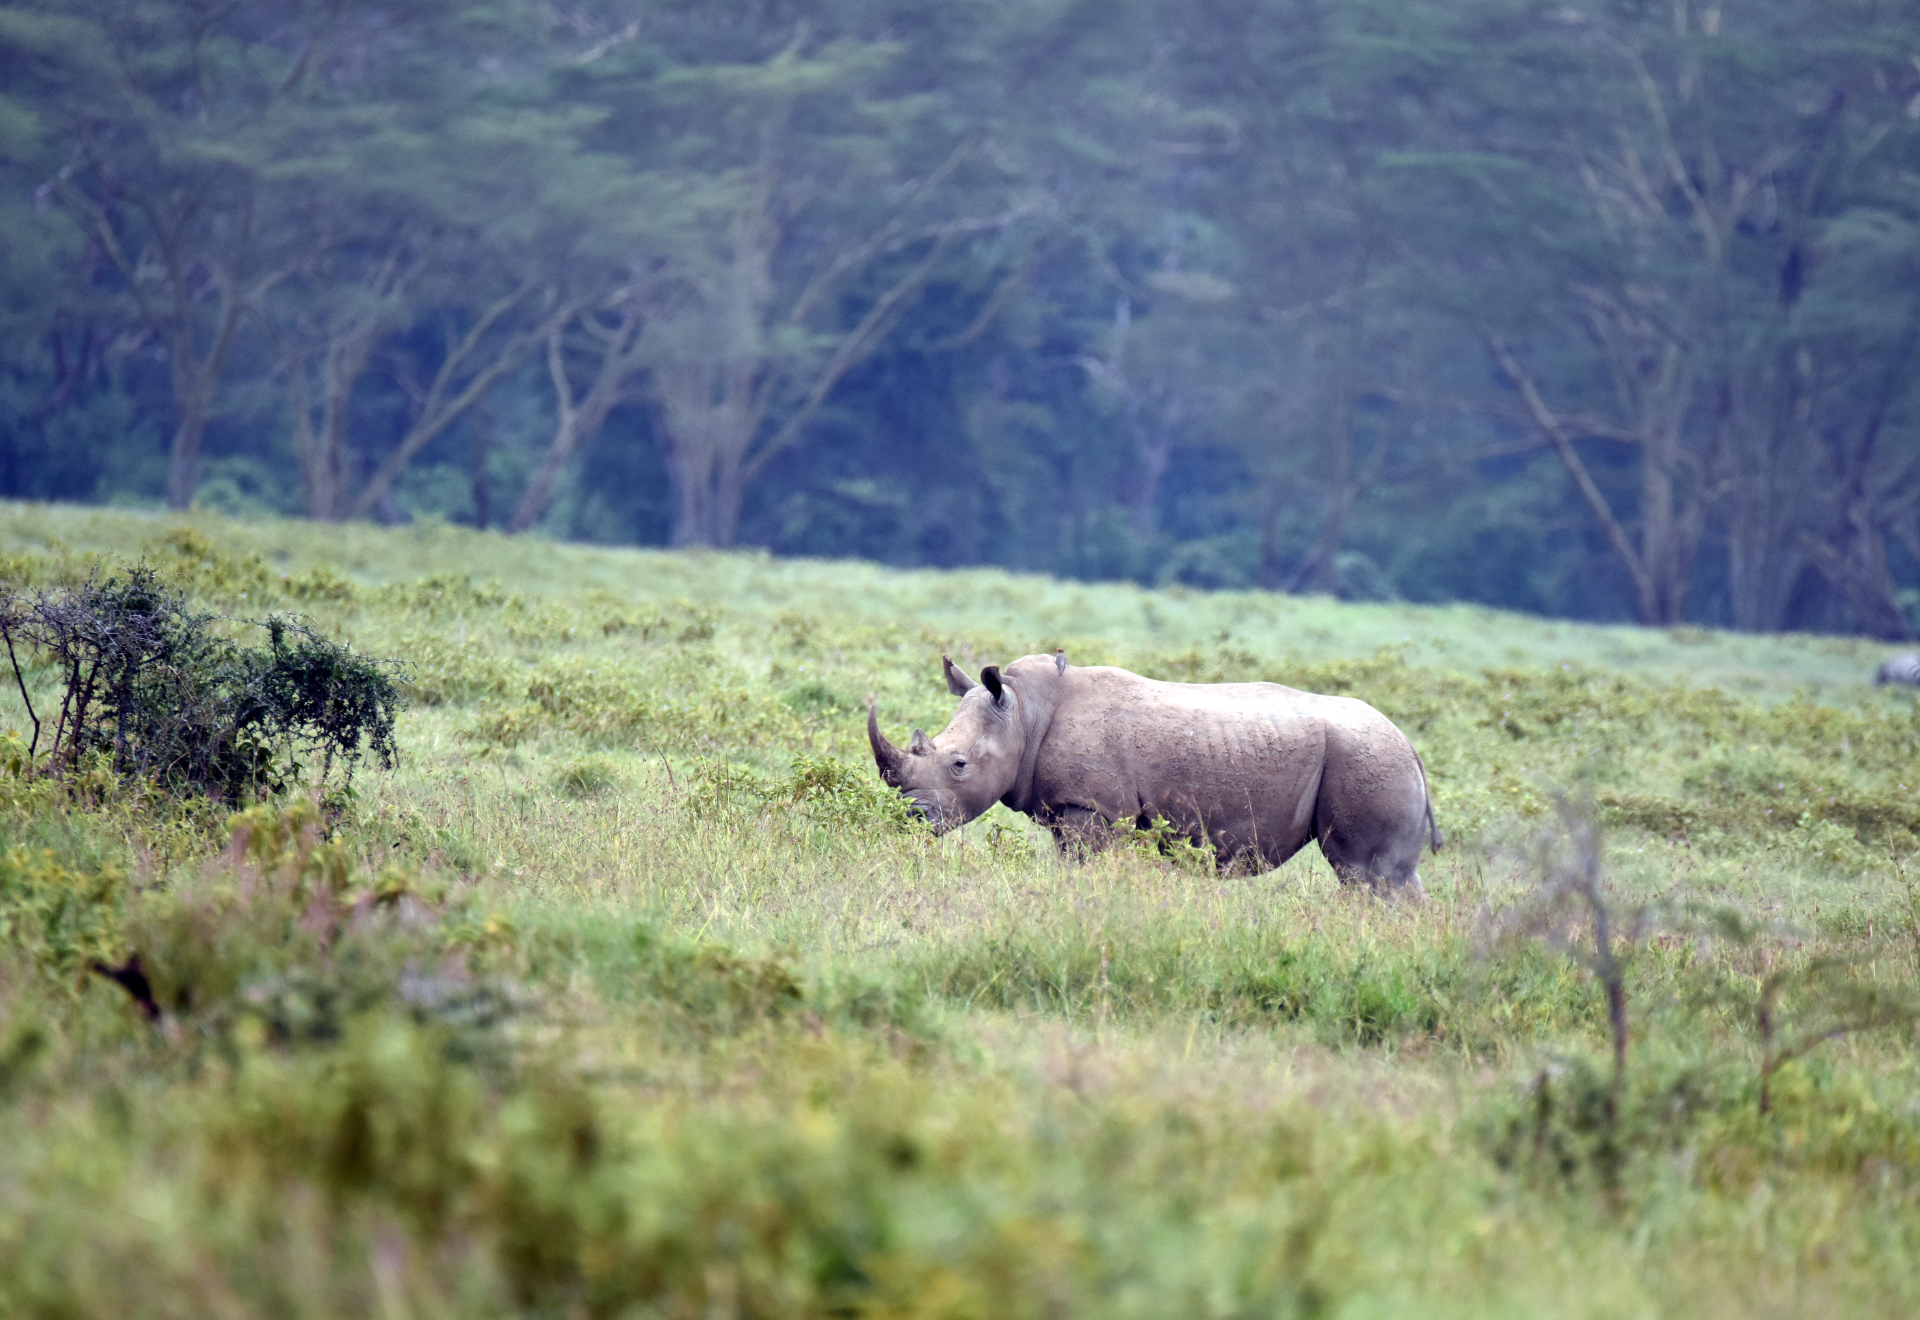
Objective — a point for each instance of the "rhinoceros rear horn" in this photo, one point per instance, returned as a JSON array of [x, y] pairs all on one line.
[[991, 677], [885, 754], [957, 681]]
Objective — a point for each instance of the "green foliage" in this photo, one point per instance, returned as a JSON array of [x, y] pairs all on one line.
[[680, 1011], [817, 792], [60, 917], [586, 777], [835, 795], [1383, 363], [148, 687]]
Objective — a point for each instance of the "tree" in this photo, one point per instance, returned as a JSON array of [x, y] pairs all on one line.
[[1314, 92], [166, 123], [1659, 207], [782, 169], [1326, 294], [410, 269]]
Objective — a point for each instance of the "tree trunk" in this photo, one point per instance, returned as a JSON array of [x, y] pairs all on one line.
[[183, 456], [570, 435], [1270, 578], [1322, 567], [320, 441], [482, 500], [194, 381], [1664, 539], [439, 405], [1763, 558], [1661, 565], [1156, 452], [1853, 556], [575, 424], [1155, 422], [708, 421]]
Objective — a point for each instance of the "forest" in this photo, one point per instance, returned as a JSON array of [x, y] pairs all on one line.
[[1601, 310]]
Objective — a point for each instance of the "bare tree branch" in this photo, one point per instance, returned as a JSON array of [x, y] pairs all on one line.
[[1550, 426]]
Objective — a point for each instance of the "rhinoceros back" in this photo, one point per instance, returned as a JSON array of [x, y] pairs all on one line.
[[1253, 767]]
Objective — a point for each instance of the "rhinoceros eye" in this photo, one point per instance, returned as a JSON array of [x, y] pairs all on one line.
[[959, 764]]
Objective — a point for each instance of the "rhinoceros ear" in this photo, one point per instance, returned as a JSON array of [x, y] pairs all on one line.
[[957, 681], [921, 744], [990, 676]]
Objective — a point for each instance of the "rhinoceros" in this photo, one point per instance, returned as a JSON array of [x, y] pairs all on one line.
[[1255, 769], [1902, 668]]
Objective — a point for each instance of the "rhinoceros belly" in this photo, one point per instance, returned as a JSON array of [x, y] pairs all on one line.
[[1238, 764]]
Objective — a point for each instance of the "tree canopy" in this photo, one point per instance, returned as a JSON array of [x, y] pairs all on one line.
[[1606, 310]]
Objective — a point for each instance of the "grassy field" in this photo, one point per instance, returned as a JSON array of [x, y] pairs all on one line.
[[629, 994]]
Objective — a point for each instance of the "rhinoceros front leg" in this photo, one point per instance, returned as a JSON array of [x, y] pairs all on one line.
[[1078, 831]]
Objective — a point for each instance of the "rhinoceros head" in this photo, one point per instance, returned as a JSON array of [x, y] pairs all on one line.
[[961, 771]]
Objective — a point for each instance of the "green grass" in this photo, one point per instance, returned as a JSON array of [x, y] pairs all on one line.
[[629, 993]]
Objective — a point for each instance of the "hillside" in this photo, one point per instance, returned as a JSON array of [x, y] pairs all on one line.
[[994, 611], [629, 992]]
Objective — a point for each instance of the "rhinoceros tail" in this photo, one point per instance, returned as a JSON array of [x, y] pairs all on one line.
[[1434, 837]]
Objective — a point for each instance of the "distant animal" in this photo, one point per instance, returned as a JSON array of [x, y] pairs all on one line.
[[1903, 668], [1255, 769]]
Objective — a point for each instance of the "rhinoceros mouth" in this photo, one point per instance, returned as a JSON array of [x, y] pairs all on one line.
[[937, 816]]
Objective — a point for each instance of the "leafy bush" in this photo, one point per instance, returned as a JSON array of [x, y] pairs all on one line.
[[833, 793], [61, 916], [148, 685]]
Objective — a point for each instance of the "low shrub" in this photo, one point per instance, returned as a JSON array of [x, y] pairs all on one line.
[[61, 917], [149, 685], [587, 777]]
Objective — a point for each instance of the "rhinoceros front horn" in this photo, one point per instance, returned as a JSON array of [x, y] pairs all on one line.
[[885, 754]]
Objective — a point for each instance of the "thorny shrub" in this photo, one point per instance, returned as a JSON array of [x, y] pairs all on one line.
[[149, 684], [1577, 1118]]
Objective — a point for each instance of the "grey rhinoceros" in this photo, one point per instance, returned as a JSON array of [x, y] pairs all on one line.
[[1902, 668], [1256, 769]]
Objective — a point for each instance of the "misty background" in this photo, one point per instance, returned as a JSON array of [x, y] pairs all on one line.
[[1608, 310]]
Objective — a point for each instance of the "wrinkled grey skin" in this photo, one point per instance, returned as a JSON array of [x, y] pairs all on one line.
[[1254, 768]]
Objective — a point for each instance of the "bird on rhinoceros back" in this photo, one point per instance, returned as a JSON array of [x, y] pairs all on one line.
[[1903, 668], [1255, 769]]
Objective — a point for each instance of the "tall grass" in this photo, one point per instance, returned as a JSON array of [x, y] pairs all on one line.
[[629, 993]]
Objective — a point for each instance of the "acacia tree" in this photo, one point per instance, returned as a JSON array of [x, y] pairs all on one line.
[[1312, 93], [414, 270], [1638, 257], [165, 118], [331, 173], [797, 201], [1166, 359], [64, 331], [1841, 380], [191, 144]]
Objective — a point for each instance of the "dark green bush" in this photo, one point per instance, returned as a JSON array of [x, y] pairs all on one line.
[[150, 686]]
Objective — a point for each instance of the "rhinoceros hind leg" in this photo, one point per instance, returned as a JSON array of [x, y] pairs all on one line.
[[1371, 819], [1385, 869]]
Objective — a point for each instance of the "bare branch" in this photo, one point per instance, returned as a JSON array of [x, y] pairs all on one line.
[[607, 43], [436, 415], [853, 348], [1003, 292], [1551, 427]]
